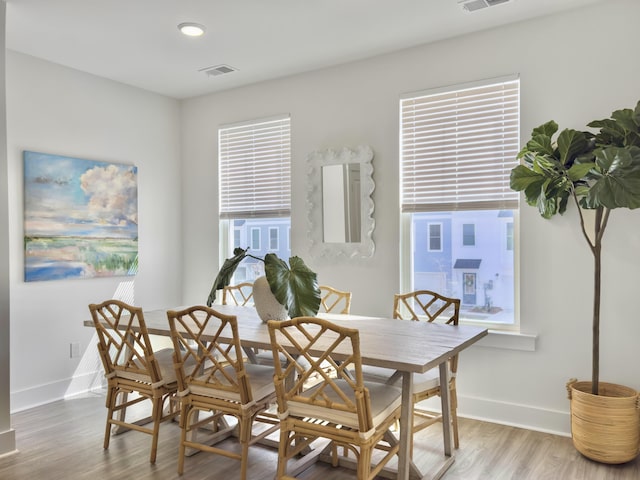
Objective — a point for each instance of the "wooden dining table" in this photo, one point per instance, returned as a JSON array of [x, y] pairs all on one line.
[[405, 346]]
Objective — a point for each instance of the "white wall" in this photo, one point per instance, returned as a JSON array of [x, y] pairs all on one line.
[[57, 110], [574, 68]]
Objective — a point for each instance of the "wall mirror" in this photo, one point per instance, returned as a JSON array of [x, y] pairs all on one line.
[[339, 202]]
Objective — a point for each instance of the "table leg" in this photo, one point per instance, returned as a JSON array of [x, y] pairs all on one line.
[[406, 426], [445, 398]]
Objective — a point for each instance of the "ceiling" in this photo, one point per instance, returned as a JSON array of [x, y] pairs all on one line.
[[137, 42]]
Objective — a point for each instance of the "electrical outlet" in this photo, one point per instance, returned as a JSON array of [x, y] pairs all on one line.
[[74, 350]]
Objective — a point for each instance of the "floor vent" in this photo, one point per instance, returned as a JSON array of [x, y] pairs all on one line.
[[475, 5], [218, 70]]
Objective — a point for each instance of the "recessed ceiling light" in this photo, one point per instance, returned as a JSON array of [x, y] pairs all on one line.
[[191, 29]]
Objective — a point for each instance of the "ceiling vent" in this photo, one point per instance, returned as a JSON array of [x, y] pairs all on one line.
[[218, 70], [474, 5]]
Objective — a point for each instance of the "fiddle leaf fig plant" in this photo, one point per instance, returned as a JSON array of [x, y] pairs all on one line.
[[295, 286], [598, 172]]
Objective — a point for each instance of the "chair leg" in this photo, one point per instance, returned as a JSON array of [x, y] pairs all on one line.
[[185, 415], [364, 463], [283, 452], [156, 415], [110, 403], [245, 424]]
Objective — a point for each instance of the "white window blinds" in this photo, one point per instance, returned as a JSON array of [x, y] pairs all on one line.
[[458, 147], [255, 169]]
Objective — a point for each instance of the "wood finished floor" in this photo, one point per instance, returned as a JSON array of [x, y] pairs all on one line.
[[63, 440]]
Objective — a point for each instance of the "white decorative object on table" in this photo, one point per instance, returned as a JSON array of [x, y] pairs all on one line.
[[266, 304]]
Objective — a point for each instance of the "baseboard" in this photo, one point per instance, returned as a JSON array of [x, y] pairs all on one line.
[[515, 415], [7, 442], [50, 392]]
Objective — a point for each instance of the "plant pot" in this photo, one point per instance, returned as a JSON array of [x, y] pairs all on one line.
[[266, 304], [605, 427]]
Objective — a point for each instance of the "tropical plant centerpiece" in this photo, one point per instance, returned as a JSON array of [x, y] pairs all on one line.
[[295, 286], [599, 172]]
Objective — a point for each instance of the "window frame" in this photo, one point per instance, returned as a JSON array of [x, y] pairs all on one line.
[[277, 239], [429, 237]]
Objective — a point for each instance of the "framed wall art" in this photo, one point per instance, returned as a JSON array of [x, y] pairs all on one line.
[[80, 218]]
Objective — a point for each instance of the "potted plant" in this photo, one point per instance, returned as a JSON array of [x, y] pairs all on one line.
[[294, 286], [599, 172]]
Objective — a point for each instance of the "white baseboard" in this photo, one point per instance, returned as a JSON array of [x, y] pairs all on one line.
[[516, 415], [511, 414], [50, 392]]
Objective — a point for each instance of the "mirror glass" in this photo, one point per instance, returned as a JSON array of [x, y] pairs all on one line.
[[341, 203], [340, 206]]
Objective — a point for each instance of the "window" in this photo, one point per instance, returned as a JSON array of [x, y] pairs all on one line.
[[255, 190], [273, 238], [468, 234], [255, 239], [509, 236], [435, 237], [457, 148]]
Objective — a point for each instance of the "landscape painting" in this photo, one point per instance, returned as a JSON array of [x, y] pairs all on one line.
[[80, 218]]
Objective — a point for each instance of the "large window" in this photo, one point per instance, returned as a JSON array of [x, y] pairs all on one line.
[[255, 191], [458, 146]]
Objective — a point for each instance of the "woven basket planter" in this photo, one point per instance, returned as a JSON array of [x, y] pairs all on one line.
[[605, 427]]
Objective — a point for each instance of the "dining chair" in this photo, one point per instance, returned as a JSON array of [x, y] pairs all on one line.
[[334, 300], [131, 366], [344, 410], [213, 378], [239, 294], [426, 305]]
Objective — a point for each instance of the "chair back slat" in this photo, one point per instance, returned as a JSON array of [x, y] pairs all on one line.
[[123, 340], [240, 294], [334, 300], [319, 342], [430, 306], [202, 359]]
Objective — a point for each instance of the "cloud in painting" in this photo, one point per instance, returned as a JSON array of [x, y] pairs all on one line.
[[112, 193]]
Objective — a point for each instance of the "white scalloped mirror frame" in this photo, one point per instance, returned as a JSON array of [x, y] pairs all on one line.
[[362, 155]]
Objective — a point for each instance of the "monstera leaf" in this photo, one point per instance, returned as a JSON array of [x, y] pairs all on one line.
[[296, 288], [226, 272]]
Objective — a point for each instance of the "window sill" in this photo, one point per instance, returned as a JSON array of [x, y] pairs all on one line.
[[509, 340]]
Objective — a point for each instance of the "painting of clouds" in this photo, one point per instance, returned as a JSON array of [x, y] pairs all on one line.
[[80, 218]]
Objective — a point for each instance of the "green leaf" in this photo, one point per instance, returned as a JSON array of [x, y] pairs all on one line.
[[571, 143], [226, 272], [540, 144], [296, 288], [579, 170], [619, 185], [522, 177], [548, 129]]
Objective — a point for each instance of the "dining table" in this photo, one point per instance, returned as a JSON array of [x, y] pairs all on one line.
[[408, 347]]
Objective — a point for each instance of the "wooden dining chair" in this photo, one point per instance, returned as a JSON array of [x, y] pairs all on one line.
[[425, 305], [239, 294], [334, 300], [344, 410], [213, 378], [132, 367]]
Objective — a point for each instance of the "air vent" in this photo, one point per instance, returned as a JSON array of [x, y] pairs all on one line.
[[218, 70], [475, 5]]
